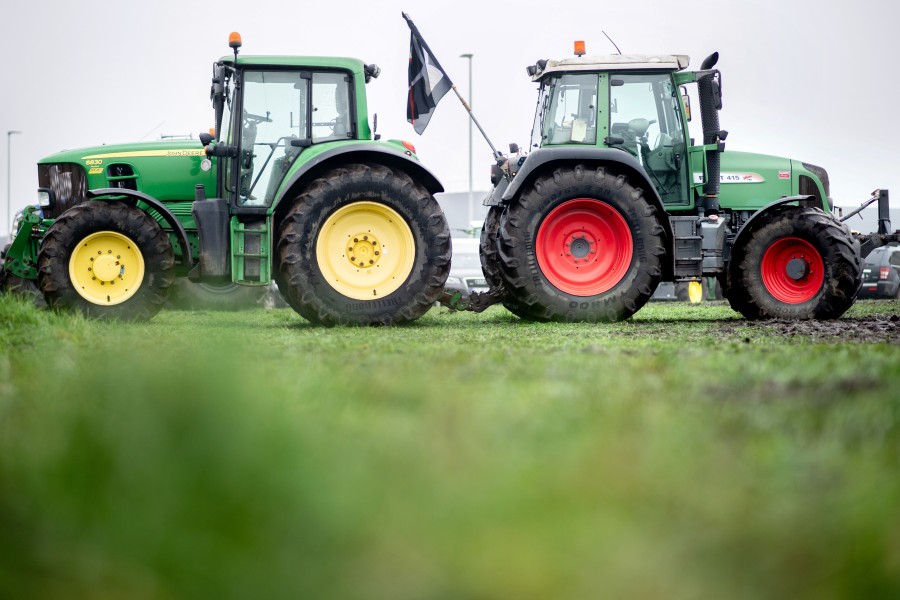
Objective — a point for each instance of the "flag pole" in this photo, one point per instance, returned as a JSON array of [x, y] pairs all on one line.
[[412, 26]]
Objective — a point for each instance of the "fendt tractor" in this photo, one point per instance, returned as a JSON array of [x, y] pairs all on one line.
[[616, 197], [301, 190]]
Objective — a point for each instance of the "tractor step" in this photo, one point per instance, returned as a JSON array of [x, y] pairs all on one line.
[[251, 244]]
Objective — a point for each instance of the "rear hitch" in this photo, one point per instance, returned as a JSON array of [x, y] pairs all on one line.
[[476, 302]]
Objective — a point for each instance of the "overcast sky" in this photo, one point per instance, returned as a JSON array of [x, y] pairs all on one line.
[[806, 79]]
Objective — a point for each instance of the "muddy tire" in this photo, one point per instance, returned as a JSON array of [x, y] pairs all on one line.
[[800, 263], [108, 260], [582, 244], [363, 245], [488, 253]]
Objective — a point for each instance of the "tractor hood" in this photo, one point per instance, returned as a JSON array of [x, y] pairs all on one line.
[[167, 170], [750, 181]]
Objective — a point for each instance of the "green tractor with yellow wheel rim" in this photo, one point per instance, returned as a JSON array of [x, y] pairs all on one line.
[[615, 197], [294, 187]]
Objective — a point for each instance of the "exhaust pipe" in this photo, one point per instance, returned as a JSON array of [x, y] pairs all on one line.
[[710, 93]]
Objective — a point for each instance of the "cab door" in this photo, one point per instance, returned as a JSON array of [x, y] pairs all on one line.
[[645, 120]]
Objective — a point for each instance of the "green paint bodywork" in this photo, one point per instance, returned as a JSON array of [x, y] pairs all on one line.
[[170, 170], [749, 181]]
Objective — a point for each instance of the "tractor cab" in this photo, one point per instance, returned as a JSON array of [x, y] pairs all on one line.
[[268, 110], [630, 103]]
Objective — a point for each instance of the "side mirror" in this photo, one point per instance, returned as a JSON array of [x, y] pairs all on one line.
[[686, 103], [206, 138]]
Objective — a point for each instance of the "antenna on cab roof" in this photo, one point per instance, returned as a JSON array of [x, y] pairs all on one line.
[[611, 42]]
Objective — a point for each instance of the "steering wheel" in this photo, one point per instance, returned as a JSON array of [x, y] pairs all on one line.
[[252, 119]]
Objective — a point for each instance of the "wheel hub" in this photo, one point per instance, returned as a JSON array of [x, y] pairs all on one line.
[[797, 268], [106, 268], [363, 251], [579, 247]]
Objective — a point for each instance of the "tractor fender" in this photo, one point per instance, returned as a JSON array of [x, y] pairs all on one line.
[[536, 161], [173, 222], [776, 206], [546, 159], [380, 153]]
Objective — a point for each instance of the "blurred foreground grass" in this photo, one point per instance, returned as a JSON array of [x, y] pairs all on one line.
[[682, 454]]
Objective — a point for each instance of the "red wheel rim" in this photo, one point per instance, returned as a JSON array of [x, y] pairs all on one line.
[[584, 247], [793, 270]]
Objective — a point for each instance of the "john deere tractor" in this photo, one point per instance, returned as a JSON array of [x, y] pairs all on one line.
[[294, 186], [615, 197]]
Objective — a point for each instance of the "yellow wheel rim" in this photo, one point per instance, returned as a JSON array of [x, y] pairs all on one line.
[[106, 268], [365, 250]]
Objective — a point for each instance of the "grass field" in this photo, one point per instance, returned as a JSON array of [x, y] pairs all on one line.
[[682, 454]]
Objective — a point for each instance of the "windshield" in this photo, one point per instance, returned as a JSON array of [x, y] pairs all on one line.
[[568, 109]]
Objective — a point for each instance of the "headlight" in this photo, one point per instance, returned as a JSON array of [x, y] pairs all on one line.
[[46, 197]]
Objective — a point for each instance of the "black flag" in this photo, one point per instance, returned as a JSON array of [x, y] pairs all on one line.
[[427, 81]]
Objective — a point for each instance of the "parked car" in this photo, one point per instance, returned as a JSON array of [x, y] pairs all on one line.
[[465, 268], [881, 273]]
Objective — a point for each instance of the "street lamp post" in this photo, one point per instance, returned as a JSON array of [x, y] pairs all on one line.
[[9, 135], [471, 194]]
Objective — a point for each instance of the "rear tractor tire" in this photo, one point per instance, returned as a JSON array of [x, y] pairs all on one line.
[[363, 245], [582, 244], [108, 260], [800, 263]]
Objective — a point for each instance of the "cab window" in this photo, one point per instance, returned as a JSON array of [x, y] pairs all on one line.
[[569, 114]]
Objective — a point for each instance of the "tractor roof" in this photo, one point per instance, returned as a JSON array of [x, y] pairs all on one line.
[[314, 62], [614, 62]]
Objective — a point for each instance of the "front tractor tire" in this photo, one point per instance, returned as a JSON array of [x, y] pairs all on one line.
[[800, 263], [581, 244], [363, 245], [108, 260]]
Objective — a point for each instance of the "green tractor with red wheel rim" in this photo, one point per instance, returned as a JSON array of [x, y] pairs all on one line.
[[293, 187], [615, 197]]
